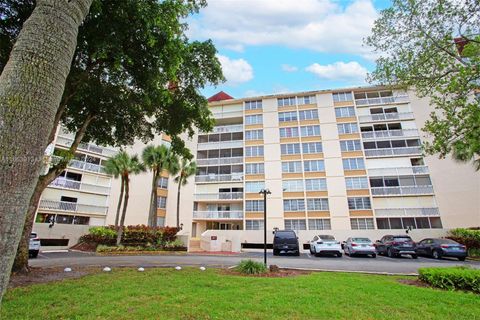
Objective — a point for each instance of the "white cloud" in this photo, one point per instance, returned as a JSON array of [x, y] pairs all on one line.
[[347, 71], [320, 25], [236, 71], [289, 68]]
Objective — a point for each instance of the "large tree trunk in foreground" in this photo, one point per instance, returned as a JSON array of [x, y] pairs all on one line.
[[124, 211], [31, 87]]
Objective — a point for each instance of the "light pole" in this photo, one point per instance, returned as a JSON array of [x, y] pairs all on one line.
[[265, 192]]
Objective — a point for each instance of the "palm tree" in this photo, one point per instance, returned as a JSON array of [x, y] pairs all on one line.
[[111, 166], [187, 168], [158, 158]]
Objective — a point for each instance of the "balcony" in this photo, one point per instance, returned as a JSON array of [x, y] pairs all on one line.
[[226, 129], [77, 185], [219, 196], [220, 145], [220, 177], [398, 171], [90, 147], [386, 117], [406, 212], [387, 152], [219, 161], [72, 207], [381, 100], [369, 135], [207, 215], [82, 165], [400, 191]]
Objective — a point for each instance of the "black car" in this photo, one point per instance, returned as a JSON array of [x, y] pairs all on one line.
[[285, 241], [438, 248], [395, 246]]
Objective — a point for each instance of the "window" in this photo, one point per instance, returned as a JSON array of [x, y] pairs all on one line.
[[295, 224], [163, 182], [316, 184], [361, 223], [254, 119], [350, 145], [414, 222], [161, 202], [312, 147], [319, 224], [314, 166], [345, 112], [285, 102], [290, 148], [318, 204], [255, 168], [253, 105], [292, 167], [346, 128], [353, 164], [254, 205], [342, 96], [254, 135], [310, 131], [359, 203], [254, 151], [254, 186], [294, 205], [287, 116], [254, 224], [308, 114], [292, 185], [354, 183], [306, 100], [289, 132]]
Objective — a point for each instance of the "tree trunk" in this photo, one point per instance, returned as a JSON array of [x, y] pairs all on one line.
[[124, 211], [178, 202], [152, 214], [31, 87], [120, 199]]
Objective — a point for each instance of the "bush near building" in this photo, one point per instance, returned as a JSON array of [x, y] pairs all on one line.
[[460, 278], [469, 237]]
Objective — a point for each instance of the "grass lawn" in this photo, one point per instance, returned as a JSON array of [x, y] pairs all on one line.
[[193, 294]]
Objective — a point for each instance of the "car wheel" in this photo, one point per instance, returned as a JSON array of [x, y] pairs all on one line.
[[436, 254], [414, 256], [275, 252], [34, 254], [374, 255], [339, 254], [297, 253], [390, 253], [461, 258]]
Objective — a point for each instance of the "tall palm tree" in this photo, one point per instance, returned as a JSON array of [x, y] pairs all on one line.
[[157, 159], [187, 168], [111, 166]]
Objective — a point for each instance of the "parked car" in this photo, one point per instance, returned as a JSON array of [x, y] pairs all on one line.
[[34, 245], [325, 244], [395, 246], [285, 241], [359, 246], [438, 248]]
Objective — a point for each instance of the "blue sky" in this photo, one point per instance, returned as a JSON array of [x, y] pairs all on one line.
[[274, 46]]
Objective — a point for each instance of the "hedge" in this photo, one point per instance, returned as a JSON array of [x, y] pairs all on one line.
[[461, 278], [468, 237]]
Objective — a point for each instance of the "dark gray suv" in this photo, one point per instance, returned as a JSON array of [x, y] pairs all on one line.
[[285, 241], [395, 246]]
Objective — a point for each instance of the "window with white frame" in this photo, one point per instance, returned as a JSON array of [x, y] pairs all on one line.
[[314, 166], [254, 205], [293, 205], [254, 119], [350, 145], [316, 184], [353, 164], [362, 223], [285, 102], [306, 100], [359, 203], [312, 147], [254, 151], [287, 116], [254, 134], [317, 204], [290, 132], [295, 224], [310, 131], [355, 183], [290, 148], [162, 183], [161, 202], [292, 167], [160, 221], [292, 185], [253, 105], [319, 224], [345, 112], [346, 128], [308, 114], [342, 96], [254, 186], [254, 168], [254, 224]]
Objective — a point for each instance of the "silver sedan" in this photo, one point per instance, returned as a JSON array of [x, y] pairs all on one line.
[[359, 246]]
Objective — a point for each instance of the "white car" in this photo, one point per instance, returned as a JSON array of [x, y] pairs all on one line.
[[325, 244], [34, 246]]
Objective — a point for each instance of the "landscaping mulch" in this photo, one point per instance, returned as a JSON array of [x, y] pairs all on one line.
[[45, 275]]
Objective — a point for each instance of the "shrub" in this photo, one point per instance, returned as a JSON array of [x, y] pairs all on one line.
[[461, 278], [468, 237], [100, 235], [169, 234], [251, 267]]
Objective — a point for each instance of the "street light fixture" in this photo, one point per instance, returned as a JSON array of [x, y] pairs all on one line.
[[265, 192]]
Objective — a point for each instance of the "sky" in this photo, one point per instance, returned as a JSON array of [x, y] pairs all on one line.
[[281, 46]]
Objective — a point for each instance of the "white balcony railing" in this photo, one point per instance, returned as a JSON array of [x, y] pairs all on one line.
[[398, 171], [72, 207], [219, 177], [220, 145], [406, 212], [77, 185], [386, 116], [410, 190], [392, 152], [219, 196], [226, 129], [219, 161], [381, 100], [82, 165], [67, 142], [237, 215], [390, 134]]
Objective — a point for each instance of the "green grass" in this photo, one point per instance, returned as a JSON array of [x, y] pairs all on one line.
[[193, 294]]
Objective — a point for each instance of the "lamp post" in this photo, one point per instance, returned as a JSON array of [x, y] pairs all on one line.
[[265, 192]]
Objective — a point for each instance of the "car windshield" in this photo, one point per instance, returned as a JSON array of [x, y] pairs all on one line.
[[326, 237], [366, 240], [446, 241], [284, 235], [404, 239]]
